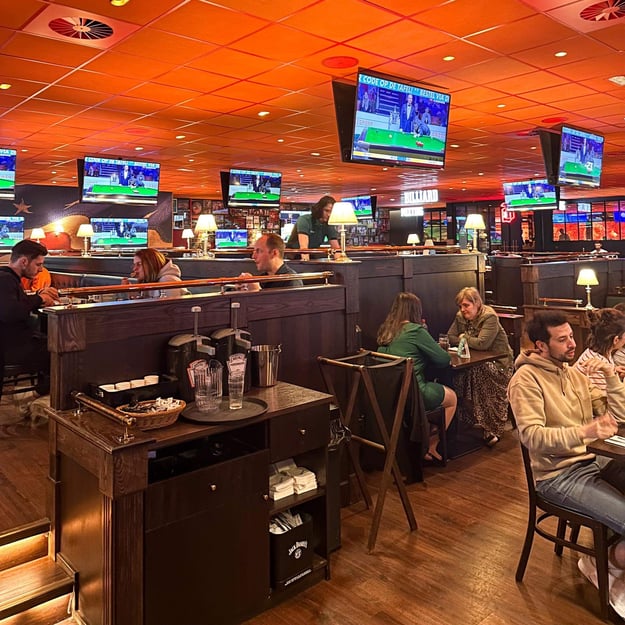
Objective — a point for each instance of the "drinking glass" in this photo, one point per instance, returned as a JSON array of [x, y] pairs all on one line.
[[443, 341], [235, 391]]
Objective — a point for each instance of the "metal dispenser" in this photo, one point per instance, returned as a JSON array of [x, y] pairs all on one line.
[[182, 350], [227, 341]]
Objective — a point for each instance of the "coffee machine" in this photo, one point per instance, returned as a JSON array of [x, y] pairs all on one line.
[[182, 350]]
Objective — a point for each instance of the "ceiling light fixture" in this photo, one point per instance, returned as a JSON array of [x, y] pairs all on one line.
[[180, 136], [5, 85], [449, 58], [263, 113], [280, 140], [501, 106], [560, 54], [617, 80], [138, 148], [119, 3], [315, 154]]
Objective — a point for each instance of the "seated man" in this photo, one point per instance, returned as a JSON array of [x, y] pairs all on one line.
[[21, 343], [554, 405], [269, 258]]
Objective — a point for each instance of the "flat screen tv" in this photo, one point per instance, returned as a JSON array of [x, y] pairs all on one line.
[[394, 121], [11, 231], [364, 205], [251, 187], [225, 239], [114, 232], [581, 157], [7, 173], [119, 181], [530, 195]]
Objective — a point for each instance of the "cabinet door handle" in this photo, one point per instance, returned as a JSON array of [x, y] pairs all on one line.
[[266, 497], [213, 487], [302, 431]]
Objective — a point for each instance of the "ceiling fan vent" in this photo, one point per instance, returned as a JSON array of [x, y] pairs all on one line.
[[81, 28], [604, 11]]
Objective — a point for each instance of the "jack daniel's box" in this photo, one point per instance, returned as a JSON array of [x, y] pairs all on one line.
[[292, 554]]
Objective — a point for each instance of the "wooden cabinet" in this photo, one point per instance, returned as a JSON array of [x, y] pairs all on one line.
[[180, 516]]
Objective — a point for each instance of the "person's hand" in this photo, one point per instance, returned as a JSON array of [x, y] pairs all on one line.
[[602, 427], [620, 371], [248, 286], [304, 256], [595, 365], [49, 296]]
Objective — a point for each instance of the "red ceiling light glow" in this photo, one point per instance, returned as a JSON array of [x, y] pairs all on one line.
[[554, 120], [340, 62]]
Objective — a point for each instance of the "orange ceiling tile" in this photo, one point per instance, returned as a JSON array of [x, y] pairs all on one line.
[[156, 93], [25, 69], [232, 63], [185, 78], [32, 47], [250, 92]]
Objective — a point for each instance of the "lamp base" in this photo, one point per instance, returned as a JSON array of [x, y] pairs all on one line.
[[342, 259]]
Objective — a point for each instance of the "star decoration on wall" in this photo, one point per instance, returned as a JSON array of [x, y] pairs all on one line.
[[22, 207]]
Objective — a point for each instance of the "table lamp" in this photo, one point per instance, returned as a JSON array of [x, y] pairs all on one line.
[[205, 223], [413, 239], [37, 234], [343, 215], [475, 222], [86, 232], [587, 277], [187, 234]]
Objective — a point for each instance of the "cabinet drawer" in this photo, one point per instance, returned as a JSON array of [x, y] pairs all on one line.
[[170, 500], [293, 434]]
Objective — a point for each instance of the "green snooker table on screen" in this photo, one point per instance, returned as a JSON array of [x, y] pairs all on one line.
[[255, 195], [396, 141], [580, 169], [6, 184], [118, 189]]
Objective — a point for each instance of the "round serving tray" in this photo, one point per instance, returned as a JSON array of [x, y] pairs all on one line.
[[252, 407]]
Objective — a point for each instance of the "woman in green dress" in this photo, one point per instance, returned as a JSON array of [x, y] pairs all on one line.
[[403, 334]]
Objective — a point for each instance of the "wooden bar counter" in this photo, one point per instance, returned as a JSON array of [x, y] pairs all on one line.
[[173, 526]]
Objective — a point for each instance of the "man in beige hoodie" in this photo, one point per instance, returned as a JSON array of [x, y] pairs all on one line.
[[558, 412]]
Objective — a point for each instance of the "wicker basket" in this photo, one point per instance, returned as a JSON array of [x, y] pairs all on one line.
[[153, 420]]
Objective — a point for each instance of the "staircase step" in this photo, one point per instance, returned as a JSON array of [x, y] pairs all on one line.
[[31, 584], [23, 544], [50, 613]]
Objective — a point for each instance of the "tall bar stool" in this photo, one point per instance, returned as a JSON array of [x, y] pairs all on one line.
[[379, 384]]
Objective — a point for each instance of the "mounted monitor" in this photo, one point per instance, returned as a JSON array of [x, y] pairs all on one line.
[[7, 173], [530, 195], [116, 232], [228, 239], [581, 157], [11, 231], [394, 121], [364, 205], [119, 181], [251, 187]]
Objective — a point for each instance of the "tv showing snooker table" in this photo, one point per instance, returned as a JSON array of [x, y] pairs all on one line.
[[398, 122], [581, 157], [251, 187], [7, 173], [119, 181]]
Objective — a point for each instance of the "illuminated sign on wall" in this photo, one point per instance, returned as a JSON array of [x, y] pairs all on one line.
[[420, 196], [411, 211]]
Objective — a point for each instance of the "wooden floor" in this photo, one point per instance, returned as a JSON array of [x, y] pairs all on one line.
[[456, 569]]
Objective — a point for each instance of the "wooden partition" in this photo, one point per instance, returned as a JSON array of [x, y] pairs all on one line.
[[115, 341], [371, 282]]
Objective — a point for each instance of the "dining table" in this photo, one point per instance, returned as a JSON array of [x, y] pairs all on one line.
[[610, 450]]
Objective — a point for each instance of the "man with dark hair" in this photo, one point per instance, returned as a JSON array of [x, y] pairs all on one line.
[[269, 258], [312, 229], [22, 344], [558, 412]]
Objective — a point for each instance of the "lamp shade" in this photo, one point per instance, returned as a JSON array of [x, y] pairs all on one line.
[[85, 230], [206, 223], [413, 239], [587, 277], [37, 233], [187, 233], [343, 214], [475, 221]]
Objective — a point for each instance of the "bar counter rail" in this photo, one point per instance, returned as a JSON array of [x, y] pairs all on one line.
[[148, 286]]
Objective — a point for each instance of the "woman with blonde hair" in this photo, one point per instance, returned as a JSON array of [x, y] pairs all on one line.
[[402, 334], [483, 388]]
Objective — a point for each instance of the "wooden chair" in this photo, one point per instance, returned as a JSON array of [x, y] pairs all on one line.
[[566, 518], [13, 378], [380, 384]]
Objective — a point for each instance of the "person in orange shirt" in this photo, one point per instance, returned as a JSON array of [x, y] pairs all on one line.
[[41, 281]]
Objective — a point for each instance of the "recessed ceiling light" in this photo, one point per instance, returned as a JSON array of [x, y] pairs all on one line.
[[501, 106], [454, 145], [191, 160], [315, 154], [449, 58], [138, 148], [5, 85], [24, 150], [481, 173], [533, 147], [180, 136], [617, 80], [340, 62], [373, 189], [280, 140], [560, 54], [263, 113], [53, 172], [119, 3], [392, 199]]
